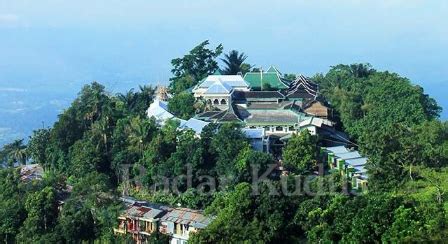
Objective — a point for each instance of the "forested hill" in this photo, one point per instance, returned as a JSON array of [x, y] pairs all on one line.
[[101, 136]]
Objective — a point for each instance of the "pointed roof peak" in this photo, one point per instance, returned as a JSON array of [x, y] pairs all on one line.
[[217, 72], [272, 68]]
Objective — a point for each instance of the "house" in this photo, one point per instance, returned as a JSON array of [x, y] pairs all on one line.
[[302, 89], [257, 139], [349, 163], [270, 79], [287, 108], [159, 111], [214, 85], [31, 172], [142, 219], [178, 223]]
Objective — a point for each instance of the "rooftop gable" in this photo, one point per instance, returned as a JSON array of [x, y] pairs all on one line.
[[219, 87], [231, 80], [273, 69], [256, 79]]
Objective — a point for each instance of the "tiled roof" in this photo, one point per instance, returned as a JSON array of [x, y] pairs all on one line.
[[263, 94], [231, 80], [302, 87], [255, 80], [230, 115], [273, 69], [273, 117]]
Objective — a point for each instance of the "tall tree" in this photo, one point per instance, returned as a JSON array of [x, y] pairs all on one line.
[[234, 63], [300, 153], [194, 66]]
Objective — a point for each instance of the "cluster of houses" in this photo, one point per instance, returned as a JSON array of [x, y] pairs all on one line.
[[142, 219], [270, 109], [349, 163]]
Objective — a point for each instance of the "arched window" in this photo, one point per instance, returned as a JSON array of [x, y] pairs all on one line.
[[209, 101], [216, 102], [223, 101]]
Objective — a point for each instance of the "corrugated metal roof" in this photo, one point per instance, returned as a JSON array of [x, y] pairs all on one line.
[[338, 149], [349, 155], [147, 210], [356, 161]]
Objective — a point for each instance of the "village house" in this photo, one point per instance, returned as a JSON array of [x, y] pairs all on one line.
[[272, 116], [349, 163], [142, 219], [288, 107]]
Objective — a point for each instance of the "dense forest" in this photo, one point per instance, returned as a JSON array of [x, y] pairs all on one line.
[[102, 137]]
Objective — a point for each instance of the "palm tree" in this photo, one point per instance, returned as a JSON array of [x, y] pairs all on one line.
[[233, 62], [17, 152]]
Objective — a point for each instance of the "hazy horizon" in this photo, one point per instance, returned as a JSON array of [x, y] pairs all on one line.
[[50, 48]]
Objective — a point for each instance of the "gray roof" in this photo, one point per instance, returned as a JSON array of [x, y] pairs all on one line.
[[253, 133], [194, 124], [151, 211], [219, 88], [187, 216], [146, 212], [274, 117], [231, 80], [348, 155], [356, 161], [338, 149]]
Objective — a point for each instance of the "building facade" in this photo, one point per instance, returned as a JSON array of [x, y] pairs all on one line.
[[142, 219]]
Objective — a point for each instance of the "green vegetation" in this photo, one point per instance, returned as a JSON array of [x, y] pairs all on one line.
[[301, 153], [101, 137], [194, 66], [234, 63]]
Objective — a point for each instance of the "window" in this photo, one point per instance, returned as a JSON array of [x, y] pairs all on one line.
[[279, 128], [216, 102], [223, 101], [291, 128]]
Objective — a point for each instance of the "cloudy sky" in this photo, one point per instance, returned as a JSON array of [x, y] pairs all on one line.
[[49, 48]]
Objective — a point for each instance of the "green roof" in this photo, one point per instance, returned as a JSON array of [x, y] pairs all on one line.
[[273, 69], [271, 78]]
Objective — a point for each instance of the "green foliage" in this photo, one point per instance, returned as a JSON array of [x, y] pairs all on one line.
[[84, 154], [386, 114], [42, 213], [12, 205], [13, 153], [251, 218], [36, 148], [300, 153], [194, 66], [234, 63], [182, 105]]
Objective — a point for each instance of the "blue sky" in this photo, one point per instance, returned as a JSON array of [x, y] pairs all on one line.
[[50, 48]]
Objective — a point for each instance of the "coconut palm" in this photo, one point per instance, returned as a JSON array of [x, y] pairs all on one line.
[[234, 62], [17, 152]]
